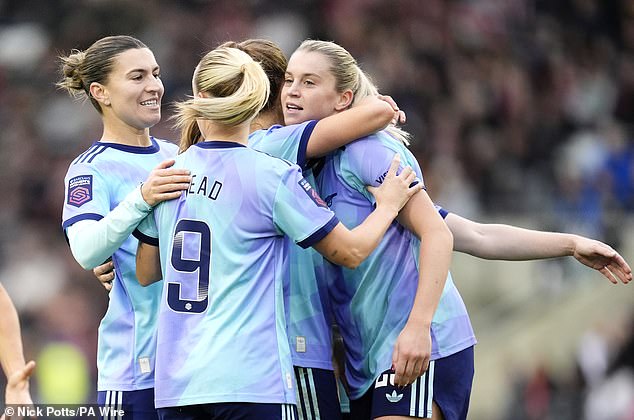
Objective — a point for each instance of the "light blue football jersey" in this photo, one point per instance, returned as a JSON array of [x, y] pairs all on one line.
[[222, 330], [309, 315], [372, 303], [96, 182]]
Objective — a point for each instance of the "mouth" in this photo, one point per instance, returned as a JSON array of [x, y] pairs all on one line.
[[293, 108], [150, 103]]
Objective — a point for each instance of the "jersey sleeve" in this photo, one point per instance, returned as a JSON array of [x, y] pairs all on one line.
[[442, 211], [367, 161], [86, 195], [147, 231], [299, 212], [285, 142]]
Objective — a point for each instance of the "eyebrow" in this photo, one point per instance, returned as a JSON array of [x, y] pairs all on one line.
[[142, 70], [305, 74]]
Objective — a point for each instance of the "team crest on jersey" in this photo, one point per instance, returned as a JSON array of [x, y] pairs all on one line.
[[312, 193], [79, 190]]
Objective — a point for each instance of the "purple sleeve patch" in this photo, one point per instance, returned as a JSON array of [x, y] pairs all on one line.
[[79, 190], [310, 191]]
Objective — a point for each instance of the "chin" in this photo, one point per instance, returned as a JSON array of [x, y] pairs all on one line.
[[293, 119]]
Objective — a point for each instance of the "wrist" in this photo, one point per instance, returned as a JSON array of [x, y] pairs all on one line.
[[143, 203], [388, 210]]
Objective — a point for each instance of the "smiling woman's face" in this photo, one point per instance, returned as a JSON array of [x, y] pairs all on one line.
[[309, 89]]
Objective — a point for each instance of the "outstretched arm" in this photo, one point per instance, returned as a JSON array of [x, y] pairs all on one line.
[[11, 356], [506, 242]]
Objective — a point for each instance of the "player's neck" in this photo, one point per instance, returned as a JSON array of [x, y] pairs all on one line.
[[126, 135], [218, 132], [266, 119]]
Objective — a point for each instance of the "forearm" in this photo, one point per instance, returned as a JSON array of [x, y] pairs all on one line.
[[92, 242], [350, 247], [505, 242], [340, 129], [11, 356], [434, 261], [148, 264]]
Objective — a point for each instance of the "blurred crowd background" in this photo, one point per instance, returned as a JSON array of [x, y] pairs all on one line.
[[522, 111]]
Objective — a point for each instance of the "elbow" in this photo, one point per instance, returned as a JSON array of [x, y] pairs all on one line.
[[144, 279], [353, 259], [85, 262], [350, 259]]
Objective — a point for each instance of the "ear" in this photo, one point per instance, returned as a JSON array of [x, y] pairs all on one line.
[[100, 93], [345, 100]]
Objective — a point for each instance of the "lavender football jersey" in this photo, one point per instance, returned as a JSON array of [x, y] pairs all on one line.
[[372, 303], [96, 182], [222, 330], [309, 313]]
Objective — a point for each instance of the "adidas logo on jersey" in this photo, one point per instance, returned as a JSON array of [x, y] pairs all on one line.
[[394, 397]]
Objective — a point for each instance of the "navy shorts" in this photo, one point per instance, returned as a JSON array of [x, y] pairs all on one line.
[[137, 405], [317, 396], [447, 382], [230, 411]]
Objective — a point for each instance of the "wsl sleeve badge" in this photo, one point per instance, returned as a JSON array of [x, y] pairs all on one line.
[[79, 190], [312, 193]]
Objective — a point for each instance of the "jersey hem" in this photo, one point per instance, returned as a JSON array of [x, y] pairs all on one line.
[[469, 342], [241, 398], [113, 386]]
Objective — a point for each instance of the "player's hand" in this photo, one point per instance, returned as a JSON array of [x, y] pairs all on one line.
[[105, 274], [396, 190], [165, 183], [399, 115], [17, 391], [412, 353], [603, 258]]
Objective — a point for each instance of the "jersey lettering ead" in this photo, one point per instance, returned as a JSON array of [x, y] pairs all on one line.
[[96, 182], [309, 314], [372, 303], [222, 330]]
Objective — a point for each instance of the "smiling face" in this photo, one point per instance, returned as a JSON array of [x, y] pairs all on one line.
[[309, 91], [133, 92]]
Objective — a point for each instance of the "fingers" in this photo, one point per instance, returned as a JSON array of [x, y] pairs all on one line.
[[103, 268], [608, 275], [105, 274], [27, 371], [166, 164], [396, 161], [390, 101]]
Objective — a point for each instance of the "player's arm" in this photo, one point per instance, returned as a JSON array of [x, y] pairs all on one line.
[[11, 355], [506, 242], [412, 350], [350, 247], [93, 242], [148, 264], [372, 114]]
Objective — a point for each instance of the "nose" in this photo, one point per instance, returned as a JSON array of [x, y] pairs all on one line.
[[155, 84], [293, 89]]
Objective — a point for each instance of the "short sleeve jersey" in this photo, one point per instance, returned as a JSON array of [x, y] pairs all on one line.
[[96, 182], [372, 303], [222, 330], [309, 314]]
